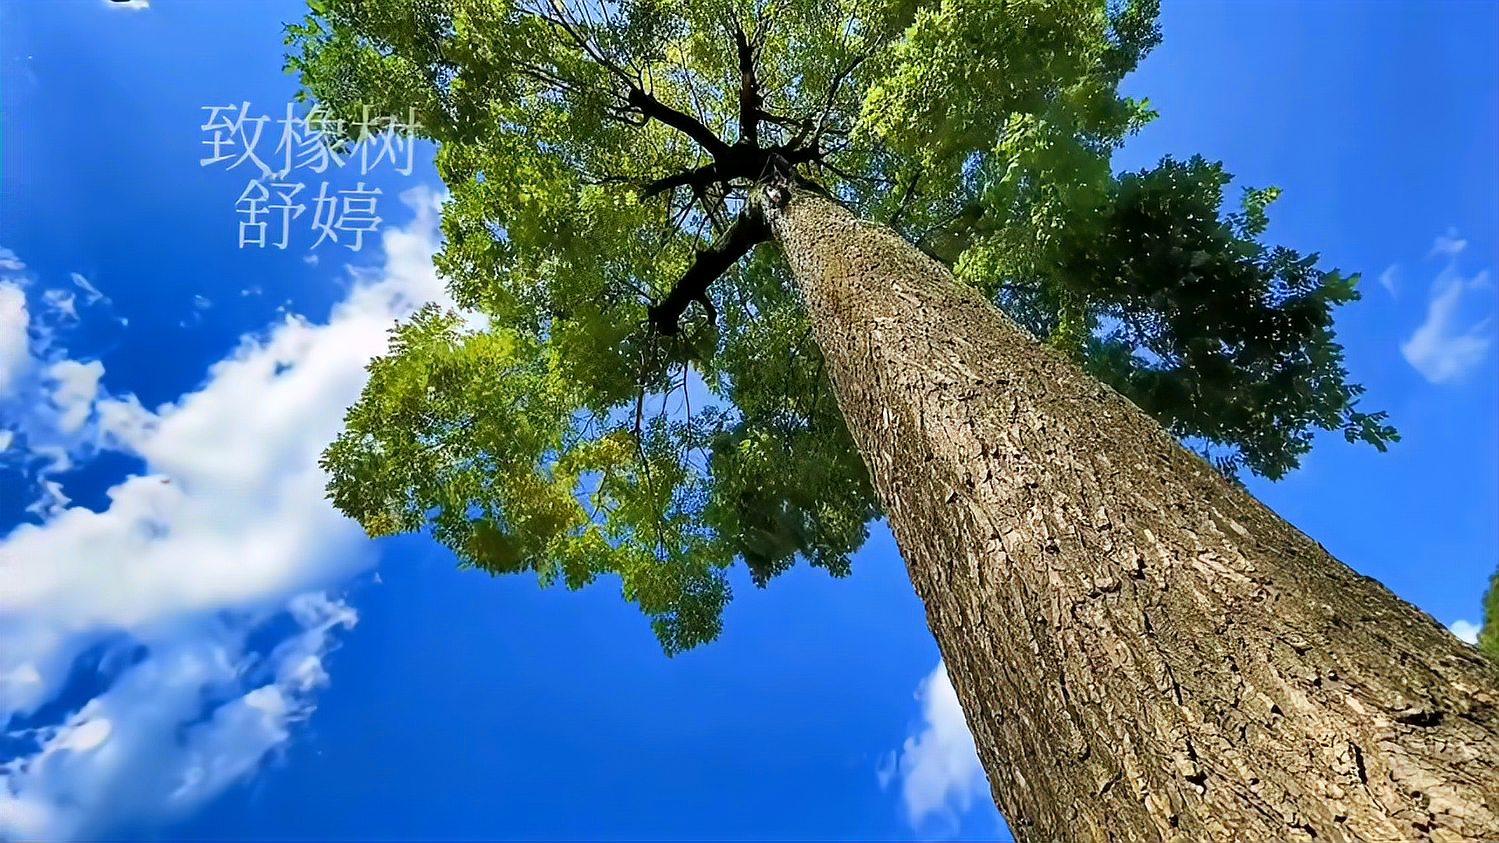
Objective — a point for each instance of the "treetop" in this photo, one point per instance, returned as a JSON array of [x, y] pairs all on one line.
[[644, 399]]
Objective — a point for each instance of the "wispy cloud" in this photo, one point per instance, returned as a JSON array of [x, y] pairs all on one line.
[[91, 294], [1448, 245], [44, 397], [132, 5], [937, 767], [203, 595], [62, 304], [1449, 344], [1390, 278], [9, 262]]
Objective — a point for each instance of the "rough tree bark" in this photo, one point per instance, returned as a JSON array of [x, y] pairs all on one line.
[[1143, 651]]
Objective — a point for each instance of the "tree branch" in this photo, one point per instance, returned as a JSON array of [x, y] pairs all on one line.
[[747, 231], [905, 202], [740, 162], [749, 90], [698, 179], [819, 126], [688, 125], [638, 98], [802, 123], [561, 18]]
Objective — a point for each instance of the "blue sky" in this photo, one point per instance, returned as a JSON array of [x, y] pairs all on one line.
[[197, 647]]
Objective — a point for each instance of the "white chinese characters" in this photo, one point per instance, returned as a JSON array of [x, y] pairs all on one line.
[[317, 142]]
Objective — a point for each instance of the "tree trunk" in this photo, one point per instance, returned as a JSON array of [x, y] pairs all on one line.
[[1143, 651]]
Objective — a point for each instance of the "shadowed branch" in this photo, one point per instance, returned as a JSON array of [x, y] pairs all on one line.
[[747, 230]]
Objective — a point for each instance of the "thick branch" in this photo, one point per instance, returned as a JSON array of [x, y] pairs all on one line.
[[749, 91], [698, 178], [655, 109], [739, 162], [747, 230]]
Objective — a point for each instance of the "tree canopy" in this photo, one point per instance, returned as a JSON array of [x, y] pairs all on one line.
[[639, 394]]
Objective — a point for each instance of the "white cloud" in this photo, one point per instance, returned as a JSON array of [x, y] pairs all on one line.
[[937, 766], [45, 398], [62, 303], [1442, 349], [75, 386], [1448, 345], [9, 262], [1465, 630], [133, 5], [176, 584], [52, 500], [1389, 278], [15, 345], [144, 749], [1448, 245], [91, 294]]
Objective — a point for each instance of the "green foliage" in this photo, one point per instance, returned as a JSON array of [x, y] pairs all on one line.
[[1488, 634], [1219, 337], [562, 433]]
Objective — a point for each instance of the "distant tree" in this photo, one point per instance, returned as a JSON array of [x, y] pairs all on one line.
[[1488, 633], [736, 267]]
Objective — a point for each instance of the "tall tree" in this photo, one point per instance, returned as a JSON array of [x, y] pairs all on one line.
[[738, 262]]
